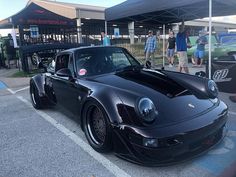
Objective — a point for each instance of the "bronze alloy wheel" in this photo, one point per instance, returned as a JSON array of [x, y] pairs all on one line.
[[97, 127]]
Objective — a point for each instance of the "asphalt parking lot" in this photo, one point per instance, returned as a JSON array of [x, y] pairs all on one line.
[[51, 143]]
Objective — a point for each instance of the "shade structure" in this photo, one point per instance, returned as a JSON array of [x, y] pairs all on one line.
[[171, 11], [168, 11], [36, 15]]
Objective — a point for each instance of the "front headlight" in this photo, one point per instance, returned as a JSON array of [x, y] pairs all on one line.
[[212, 89], [147, 110]]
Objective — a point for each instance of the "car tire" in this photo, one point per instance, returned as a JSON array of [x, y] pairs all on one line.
[[36, 100], [97, 127]]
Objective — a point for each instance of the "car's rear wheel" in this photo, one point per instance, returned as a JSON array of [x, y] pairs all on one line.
[[97, 127], [36, 100]]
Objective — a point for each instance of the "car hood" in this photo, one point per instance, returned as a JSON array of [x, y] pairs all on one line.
[[174, 102]]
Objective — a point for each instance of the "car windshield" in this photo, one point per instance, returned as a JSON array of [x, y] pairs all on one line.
[[228, 39], [102, 60]]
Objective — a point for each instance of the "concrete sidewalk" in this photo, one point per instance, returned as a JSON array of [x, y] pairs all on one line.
[[13, 82]]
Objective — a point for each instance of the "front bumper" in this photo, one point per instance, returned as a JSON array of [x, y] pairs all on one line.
[[176, 143]]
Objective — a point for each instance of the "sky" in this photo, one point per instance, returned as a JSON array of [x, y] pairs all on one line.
[[11, 7]]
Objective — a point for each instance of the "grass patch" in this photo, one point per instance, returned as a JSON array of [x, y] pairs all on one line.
[[24, 74]]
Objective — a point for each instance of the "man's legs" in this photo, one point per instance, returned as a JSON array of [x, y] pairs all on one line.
[[147, 55], [9, 56], [201, 57], [183, 61], [196, 56], [179, 68], [149, 59], [186, 70], [171, 56], [168, 56]]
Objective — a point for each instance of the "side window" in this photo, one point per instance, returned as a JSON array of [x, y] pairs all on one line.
[[62, 61]]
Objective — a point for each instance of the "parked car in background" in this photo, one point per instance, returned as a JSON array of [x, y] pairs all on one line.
[[218, 49]]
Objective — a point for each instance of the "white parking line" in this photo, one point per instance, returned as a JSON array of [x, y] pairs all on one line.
[[114, 169], [14, 92], [233, 113], [11, 91], [25, 88]]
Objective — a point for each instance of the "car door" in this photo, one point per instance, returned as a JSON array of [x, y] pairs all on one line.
[[66, 89]]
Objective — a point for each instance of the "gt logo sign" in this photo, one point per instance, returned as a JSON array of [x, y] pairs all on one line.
[[220, 75]]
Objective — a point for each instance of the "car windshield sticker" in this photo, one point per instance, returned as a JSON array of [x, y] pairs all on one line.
[[82, 72]]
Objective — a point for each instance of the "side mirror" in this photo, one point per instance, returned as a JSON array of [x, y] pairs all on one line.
[[64, 72], [42, 67]]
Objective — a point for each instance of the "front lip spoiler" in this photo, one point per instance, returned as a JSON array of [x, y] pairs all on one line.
[[210, 124], [134, 157], [167, 163]]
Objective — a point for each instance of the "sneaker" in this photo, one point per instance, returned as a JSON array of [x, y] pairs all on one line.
[[232, 98], [148, 65]]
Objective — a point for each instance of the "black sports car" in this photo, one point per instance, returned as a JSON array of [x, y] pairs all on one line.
[[150, 117]]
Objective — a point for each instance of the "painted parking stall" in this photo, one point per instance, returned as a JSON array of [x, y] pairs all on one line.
[[224, 154], [2, 85]]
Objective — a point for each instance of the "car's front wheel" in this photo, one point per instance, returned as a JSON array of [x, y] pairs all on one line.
[[97, 127], [36, 100]]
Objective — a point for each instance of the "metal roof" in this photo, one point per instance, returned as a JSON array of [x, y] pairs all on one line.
[[72, 5], [72, 10]]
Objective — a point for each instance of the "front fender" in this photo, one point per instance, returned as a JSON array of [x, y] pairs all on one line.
[[196, 84], [39, 81]]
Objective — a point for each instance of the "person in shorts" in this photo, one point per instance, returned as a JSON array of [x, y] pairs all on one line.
[[171, 48], [200, 51], [182, 41]]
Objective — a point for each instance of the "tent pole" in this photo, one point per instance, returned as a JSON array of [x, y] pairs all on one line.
[[210, 33], [105, 27], [163, 47]]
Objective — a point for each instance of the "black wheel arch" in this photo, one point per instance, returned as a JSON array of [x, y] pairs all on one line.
[[108, 100], [39, 80]]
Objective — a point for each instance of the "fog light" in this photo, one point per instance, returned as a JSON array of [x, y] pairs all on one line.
[[150, 142]]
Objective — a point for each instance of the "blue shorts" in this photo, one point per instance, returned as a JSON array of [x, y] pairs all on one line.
[[199, 54], [170, 52]]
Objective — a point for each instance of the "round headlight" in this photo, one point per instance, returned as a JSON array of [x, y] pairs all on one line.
[[147, 110], [212, 88]]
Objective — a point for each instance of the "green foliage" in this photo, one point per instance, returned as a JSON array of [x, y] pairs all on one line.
[[24, 74]]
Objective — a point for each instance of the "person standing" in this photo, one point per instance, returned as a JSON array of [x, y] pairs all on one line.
[[171, 48], [149, 49], [182, 41], [10, 50], [105, 39], [200, 51]]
